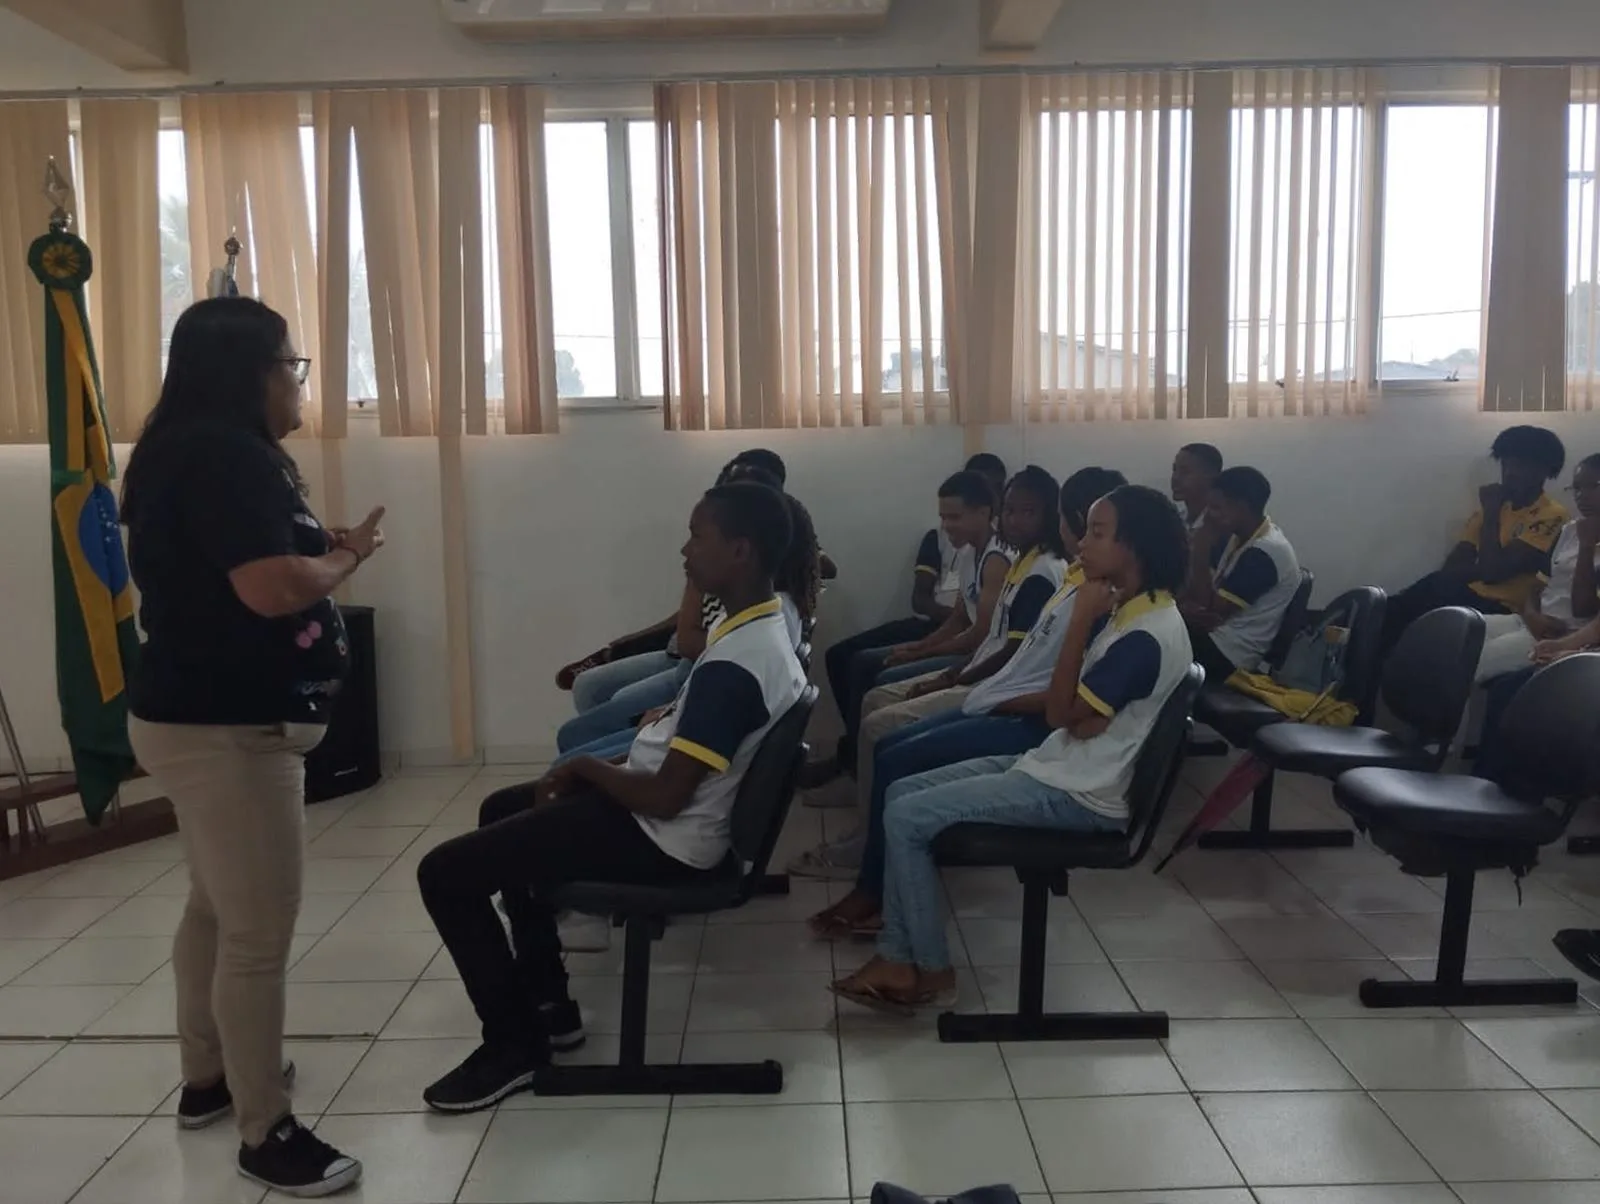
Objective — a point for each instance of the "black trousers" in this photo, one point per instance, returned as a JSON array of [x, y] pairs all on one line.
[[854, 664], [1210, 658], [521, 852], [1430, 593]]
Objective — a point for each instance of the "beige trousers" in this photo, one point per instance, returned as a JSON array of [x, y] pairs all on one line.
[[889, 708], [239, 795]]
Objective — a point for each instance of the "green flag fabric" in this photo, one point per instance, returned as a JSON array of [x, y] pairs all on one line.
[[96, 640]]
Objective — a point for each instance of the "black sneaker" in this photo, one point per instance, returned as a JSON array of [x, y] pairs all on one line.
[[297, 1162], [563, 1025], [202, 1106], [487, 1076]]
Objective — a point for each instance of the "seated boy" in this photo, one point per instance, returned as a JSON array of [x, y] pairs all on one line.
[[1568, 597], [1194, 469], [853, 664], [661, 816], [1124, 652], [1495, 566], [1234, 611], [1003, 715]]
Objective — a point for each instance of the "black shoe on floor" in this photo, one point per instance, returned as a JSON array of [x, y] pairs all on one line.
[[1581, 947], [202, 1106], [563, 1025], [818, 773], [487, 1076], [297, 1162]]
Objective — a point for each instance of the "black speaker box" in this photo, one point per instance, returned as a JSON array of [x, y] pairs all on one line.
[[348, 760]]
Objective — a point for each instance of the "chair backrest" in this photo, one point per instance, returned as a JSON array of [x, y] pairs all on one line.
[[1428, 677], [1294, 618], [1549, 736], [1360, 612], [768, 786], [1155, 772]]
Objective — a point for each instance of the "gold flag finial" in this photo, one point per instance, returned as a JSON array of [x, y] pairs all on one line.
[[58, 191]]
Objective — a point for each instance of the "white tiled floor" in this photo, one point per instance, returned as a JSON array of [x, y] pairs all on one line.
[[1276, 1087]]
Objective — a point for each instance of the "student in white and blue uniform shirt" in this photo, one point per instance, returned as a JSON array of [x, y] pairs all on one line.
[[1234, 616], [1124, 651], [1004, 714], [661, 817]]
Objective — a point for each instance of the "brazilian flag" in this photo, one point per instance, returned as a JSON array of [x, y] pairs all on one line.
[[96, 641]]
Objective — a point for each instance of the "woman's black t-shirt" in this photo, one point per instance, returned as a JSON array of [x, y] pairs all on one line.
[[213, 498]]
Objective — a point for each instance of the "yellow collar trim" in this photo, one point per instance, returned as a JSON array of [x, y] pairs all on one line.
[[1141, 604], [1266, 523], [749, 615], [1021, 566]]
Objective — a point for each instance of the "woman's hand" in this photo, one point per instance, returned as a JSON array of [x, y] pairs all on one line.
[[653, 715], [900, 654], [560, 781], [1095, 598], [367, 537], [929, 685]]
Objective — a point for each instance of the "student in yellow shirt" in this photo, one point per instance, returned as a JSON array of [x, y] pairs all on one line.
[[1495, 566]]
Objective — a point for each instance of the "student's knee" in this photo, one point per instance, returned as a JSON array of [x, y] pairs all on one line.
[[900, 815], [503, 804]]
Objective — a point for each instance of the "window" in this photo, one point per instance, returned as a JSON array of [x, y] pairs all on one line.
[[1298, 313], [580, 259], [1111, 243], [644, 197], [172, 186], [1583, 237], [1438, 177]]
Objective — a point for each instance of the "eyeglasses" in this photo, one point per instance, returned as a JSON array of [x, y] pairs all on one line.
[[301, 366]]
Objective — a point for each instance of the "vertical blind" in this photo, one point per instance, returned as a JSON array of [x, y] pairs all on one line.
[[1106, 246], [1305, 192]]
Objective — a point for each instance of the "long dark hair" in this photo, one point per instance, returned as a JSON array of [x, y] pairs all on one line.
[[222, 355], [800, 573]]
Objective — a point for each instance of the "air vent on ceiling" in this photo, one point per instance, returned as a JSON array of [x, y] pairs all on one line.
[[550, 20]]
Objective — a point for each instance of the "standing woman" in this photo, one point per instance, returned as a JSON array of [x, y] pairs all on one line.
[[245, 652]]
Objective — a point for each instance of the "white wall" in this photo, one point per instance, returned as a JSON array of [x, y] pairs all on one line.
[[574, 538], [301, 41]]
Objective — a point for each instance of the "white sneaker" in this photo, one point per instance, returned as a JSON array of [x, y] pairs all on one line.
[[584, 934]]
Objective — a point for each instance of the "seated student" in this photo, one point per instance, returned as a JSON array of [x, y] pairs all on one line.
[[1495, 566], [853, 664], [1002, 716], [1569, 596], [598, 677], [660, 817], [798, 583], [1124, 651], [1194, 469], [611, 696], [1234, 612]]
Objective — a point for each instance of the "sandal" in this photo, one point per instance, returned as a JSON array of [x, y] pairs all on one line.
[[891, 1001], [569, 674], [829, 926], [1581, 947]]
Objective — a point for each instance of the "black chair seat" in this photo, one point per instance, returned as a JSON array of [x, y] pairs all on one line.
[[1234, 716], [717, 891], [1448, 807], [1330, 751], [1030, 850]]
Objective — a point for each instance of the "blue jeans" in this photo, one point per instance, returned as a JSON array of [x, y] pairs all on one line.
[[630, 701], [944, 739], [985, 791], [605, 747], [599, 685]]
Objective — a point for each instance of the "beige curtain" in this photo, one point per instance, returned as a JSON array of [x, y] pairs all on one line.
[[246, 177], [30, 133], [1583, 255], [1304, 199], [1105, 246], [121, 217], [1524, 350], [808, 242], [522, 262]]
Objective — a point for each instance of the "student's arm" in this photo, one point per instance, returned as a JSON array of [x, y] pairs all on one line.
[[691, 635], [1203, 543], [722, 706], [1528, 553], [1586, 637], [949, 631], [1249, 579], [991, 583], [1023, 704], [1065, 705], [1026, 608], [925, 580], [1585, 595]]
